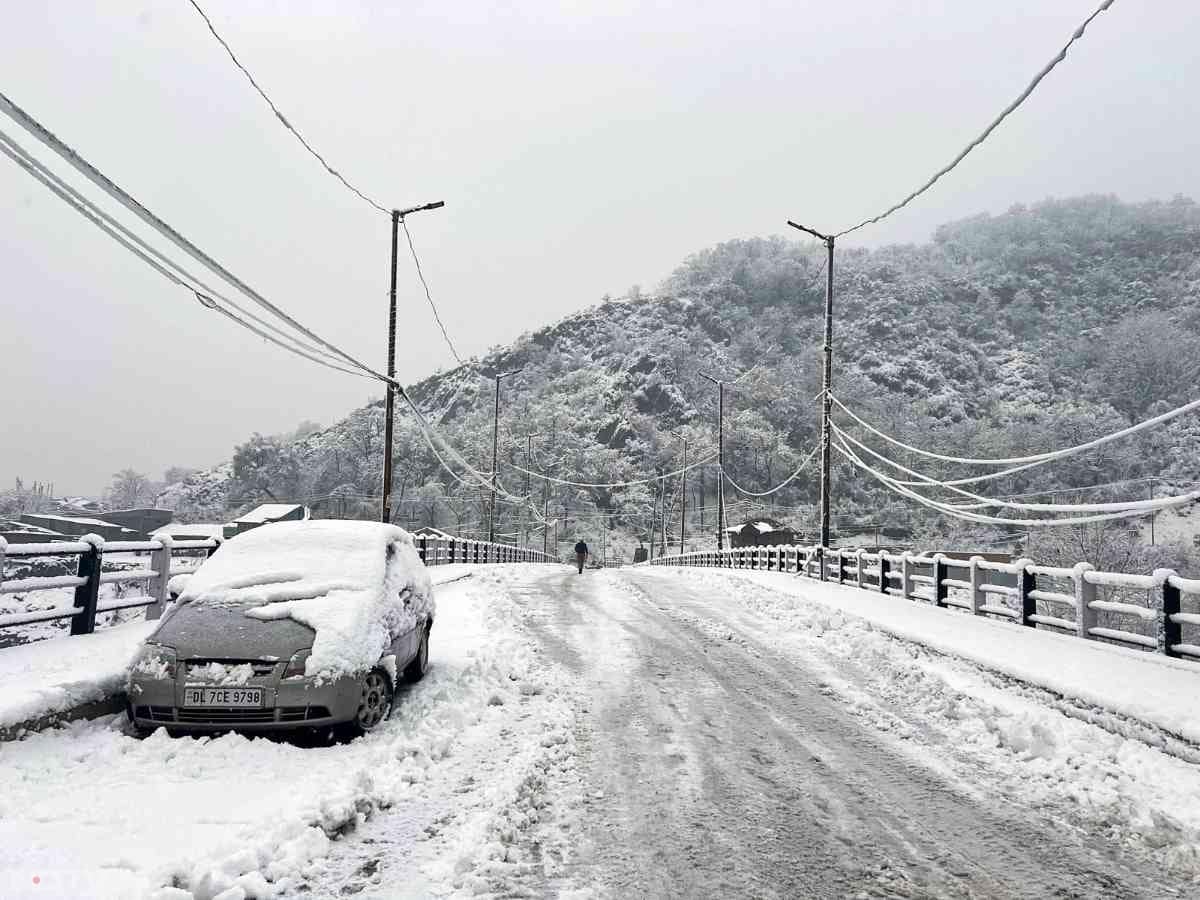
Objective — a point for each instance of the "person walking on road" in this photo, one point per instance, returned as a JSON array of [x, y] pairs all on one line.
[[581, 554]]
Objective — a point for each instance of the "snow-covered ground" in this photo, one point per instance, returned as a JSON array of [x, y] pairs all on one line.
[[87, 810], [53, 676], [1136, 686], [651, 732]]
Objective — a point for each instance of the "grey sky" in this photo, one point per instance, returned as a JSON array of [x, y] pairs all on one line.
[[580, 147]]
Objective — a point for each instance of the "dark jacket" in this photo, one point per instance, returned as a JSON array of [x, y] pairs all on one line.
[[581, 547]]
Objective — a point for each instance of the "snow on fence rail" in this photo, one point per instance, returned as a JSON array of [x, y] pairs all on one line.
[[1080, 600], [168, 558], [444, 551]]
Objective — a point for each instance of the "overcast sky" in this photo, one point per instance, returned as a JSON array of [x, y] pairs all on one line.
[[581, 148]]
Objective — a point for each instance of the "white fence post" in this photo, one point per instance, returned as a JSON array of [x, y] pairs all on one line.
[[978, 598], [906, 565], [1085, 593], [858, 555], [160, 562]]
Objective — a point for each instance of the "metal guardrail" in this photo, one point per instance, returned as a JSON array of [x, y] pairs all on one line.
[[1065, 600]]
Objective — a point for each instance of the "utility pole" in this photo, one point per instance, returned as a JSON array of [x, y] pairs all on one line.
[[683, 498], [528, 486], [826, 388], [390, 398], [495, 453], [720, 459], [654, 515]]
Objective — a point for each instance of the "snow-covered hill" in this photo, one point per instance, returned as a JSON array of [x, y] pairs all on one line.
[[1027, 330]]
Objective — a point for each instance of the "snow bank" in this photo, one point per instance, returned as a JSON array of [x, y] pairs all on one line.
[[1154, 689], [57, 675], [354, 583]]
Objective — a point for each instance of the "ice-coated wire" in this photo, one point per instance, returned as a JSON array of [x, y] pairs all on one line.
[[800, 468], [1036, 457], [615, 484], [135, 246], [57, 146], [1062, 54], [283, 120], [888, 482], [1142, 505], [65, 192]]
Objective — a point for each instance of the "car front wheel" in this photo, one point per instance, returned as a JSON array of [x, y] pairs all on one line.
[[374, 703]]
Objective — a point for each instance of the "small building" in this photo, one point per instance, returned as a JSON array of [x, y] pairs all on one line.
[[23, 533], [75, 526], [265, 515], [143, 521], [761, 531]]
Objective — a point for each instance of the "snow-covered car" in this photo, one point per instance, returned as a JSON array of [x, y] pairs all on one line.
[[294, 625]]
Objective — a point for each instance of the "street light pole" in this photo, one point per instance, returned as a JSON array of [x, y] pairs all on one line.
[[720, 459], [683, 498], [390, 398], [528, 485], [495, 453], [826, 388]]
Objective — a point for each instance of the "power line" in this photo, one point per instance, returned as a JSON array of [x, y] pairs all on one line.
[[177, 274], [42, 134], [428, 295], [1062, 54], [48, 139], [332, 171], [781, 484], [954, 511], [1033, 458], [1144, 505], [280, 116], [145, 253], [614, 484]]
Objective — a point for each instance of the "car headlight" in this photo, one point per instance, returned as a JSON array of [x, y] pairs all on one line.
[[155, 661], [295, 666]]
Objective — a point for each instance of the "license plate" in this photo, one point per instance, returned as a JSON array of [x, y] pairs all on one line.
[[222, 696]]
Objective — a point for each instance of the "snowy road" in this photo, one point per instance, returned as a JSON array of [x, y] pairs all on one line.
[[721, 762], [632, 733]]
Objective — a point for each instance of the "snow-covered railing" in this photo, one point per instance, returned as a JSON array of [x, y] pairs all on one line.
[[437, 551], [1081, 601], [166, 558]]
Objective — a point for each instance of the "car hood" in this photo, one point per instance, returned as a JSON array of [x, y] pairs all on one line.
[[224, 631]]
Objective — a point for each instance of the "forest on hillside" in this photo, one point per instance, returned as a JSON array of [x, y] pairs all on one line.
[[1042, 327]]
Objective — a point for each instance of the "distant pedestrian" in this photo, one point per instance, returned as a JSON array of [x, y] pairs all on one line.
[[581, 555]]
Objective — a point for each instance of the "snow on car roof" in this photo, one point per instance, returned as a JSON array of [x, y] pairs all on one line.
[[353, 583]]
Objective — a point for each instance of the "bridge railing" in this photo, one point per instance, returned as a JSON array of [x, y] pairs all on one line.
[[436, 551], [92, 559], [1141, 611], [148, 566]]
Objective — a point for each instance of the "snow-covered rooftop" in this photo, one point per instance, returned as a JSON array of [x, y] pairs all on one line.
[[81, 520], [208, 529]]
